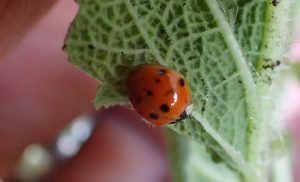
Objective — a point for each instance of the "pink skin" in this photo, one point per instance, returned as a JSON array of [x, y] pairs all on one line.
[[41, 92], [293, 105]]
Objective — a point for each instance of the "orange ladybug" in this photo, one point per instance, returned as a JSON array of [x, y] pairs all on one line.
[[159, 94]]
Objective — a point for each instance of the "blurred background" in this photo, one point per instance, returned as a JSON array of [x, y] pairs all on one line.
[[41, 94]]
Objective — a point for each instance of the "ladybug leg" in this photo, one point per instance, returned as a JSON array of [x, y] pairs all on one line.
[[183, 116], [174, 122]]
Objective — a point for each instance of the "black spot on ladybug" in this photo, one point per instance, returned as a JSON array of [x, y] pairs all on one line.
[[162, 72], [149, 92], [153, 116], [164, 108], [157, 80], [181, 82], [90, 46]]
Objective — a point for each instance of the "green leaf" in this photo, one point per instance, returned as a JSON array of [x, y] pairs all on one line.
[[191, 162], [296, 70], [229, 51]]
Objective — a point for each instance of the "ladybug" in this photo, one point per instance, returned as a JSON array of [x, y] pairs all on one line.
[[159, 94]]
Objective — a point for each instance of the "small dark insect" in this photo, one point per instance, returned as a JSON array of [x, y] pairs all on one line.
[[271, 65], [275, 2], [204, 105]]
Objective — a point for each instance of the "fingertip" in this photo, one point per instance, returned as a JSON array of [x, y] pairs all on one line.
[[116, 152], [17, 17]]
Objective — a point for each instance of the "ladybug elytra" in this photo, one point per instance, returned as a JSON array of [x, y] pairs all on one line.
[[159, 94]]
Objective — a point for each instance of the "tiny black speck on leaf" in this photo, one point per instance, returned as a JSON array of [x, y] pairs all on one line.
[[275, 2], [90, 46]]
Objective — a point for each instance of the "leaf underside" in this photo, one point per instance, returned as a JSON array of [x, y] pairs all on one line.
[[222, 60]]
